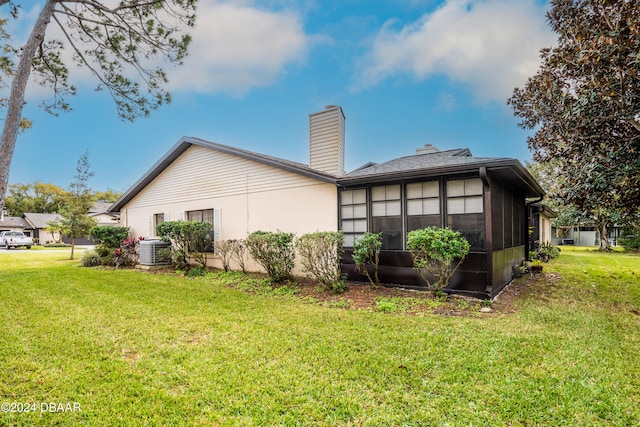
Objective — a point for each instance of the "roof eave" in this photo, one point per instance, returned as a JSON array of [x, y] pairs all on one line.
[[513, 164]]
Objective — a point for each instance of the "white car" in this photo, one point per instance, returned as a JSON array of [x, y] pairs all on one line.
[[15, 239]]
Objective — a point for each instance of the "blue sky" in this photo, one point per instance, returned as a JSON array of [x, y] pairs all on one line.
[[406, 73]]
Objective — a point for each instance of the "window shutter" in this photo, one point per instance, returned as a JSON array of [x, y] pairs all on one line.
[[217, 230], [151, 231]]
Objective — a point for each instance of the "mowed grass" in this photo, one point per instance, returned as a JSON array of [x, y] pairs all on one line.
[[134, 348]]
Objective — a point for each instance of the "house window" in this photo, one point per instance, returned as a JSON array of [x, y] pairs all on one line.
[[205, 215], [465, 210], [353, 214], [157, 220], [423, 205], [386, 215]]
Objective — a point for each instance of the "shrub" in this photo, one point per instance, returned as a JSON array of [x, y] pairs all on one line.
[[434, 251], [111, 237], [630, 243], [196, 272], [223, 250], [90, 259], [103, 250], [232, 250], [321, 253], [546, 251], [238, 250], [189, 238], [274, 252], [127, 254], [366, 252]]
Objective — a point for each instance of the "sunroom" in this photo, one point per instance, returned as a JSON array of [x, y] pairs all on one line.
[[482, 198]]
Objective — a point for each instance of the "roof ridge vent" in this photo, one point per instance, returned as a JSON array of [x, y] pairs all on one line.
[[427, 149]]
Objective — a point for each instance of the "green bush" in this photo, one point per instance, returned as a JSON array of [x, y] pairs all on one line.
[[275, 252], [90, 259], [366, 252], [321, 253], [102, 250], [189, 238], [108, 236], [546, 251], [437, 253], [196, 272], [630, 243]]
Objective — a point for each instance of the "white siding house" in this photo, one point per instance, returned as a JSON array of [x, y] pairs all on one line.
[[239, 191]]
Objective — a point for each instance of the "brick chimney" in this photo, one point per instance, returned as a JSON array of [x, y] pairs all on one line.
[[326, 140]]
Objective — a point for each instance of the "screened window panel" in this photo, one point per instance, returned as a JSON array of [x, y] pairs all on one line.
[[430, 206], [386, 192], [431, 189], [414, 207], [473, 205], [354, 211], [414, 190], [360, 226], [393, 208], [346, 197], [360, 211], [359, 196], [393, 192], [391, 228], [347, 212], [348, 226], [472, 187], [471, 226], [455, 188], [455, 206], [422, 221], [378, 193], [349, 240], [378, 209]]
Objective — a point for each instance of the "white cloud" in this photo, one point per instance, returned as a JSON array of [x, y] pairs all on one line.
[[237, 47], [491, 45]]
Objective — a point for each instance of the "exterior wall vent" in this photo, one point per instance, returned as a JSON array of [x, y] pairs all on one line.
[[427, 149], [149, 252], [326, 140]]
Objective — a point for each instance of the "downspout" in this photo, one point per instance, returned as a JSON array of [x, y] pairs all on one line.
[[488, 226]]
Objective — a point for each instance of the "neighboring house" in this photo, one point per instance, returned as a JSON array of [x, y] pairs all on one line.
[[583, 235], [239, 191], [14, 223], [100, 211], [540, 220], [38, 224]]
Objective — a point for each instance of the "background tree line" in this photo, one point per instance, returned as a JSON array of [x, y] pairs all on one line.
[[40, 197]]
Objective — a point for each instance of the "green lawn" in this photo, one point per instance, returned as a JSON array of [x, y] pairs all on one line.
[[133, 348]]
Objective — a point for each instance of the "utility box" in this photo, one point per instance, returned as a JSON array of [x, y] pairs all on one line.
[[149, 252]]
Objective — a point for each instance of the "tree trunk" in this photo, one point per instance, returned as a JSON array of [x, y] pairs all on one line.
[[604, 237], [73, 247], [16, 96]]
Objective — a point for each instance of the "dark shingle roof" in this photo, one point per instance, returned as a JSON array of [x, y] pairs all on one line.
[[458, 161], [13, 222], [41, 220]]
